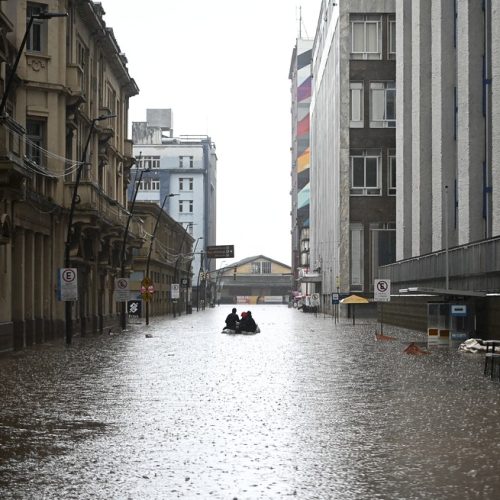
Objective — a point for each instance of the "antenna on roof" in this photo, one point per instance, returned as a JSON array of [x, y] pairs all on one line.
[[301, 24]]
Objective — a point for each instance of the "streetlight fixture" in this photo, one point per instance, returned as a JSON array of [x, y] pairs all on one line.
[[67, 247], [123, 315], [151, 245], [40, 15]]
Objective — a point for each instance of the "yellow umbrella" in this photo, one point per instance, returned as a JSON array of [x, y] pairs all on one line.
[[354, 299]]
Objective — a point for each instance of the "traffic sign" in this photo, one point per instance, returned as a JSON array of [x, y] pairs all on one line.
[[220, 251], [175, 290], [382, 290], [185, 282], [68, 284], [121, 290], [335, 298]]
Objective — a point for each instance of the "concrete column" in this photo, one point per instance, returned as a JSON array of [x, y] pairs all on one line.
[[48, 289], [443, 142], [18, 287], [403, 129], [29, 287], [39, 279], [421, 128], [471, 126], [495, 115]]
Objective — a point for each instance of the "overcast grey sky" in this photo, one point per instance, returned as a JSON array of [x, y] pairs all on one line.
[[222, 67]]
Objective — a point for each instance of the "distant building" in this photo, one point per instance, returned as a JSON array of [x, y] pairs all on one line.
[[254, 280], [185, 166], [301, 80], [162, 260], [353, 140]]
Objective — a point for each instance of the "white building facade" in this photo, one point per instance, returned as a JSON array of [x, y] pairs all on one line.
[[185, 167]]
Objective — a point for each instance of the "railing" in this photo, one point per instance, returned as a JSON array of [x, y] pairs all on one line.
[[475, 266], [92, 199]]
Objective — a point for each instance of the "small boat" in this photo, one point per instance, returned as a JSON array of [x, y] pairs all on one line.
[[229, 331]]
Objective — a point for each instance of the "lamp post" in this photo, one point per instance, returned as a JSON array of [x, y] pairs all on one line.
[[190, 267], [151, 246], [124, 242], [202, 255], [67, 247], [176, 277], [8, 84]]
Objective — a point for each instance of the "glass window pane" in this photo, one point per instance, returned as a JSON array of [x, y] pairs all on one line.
[[372, 37], [371, 172], [393, 172], [378, 105], [355, 105], [358, 172], [358, 37], [391, 104]]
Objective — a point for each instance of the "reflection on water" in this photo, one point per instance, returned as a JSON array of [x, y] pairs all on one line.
[[305, 409]]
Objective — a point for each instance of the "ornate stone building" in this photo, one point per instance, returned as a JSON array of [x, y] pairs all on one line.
[[71, 72]]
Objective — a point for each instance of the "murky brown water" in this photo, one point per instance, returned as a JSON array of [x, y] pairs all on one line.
[[305, 409]]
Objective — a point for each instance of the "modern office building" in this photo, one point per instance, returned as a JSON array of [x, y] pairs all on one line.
[[353, 158], [301, 80], [186, 167], [71, 74], [448, 150]]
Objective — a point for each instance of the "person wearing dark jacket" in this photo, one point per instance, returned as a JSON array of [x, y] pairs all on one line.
[[232, 319], [247, 324]]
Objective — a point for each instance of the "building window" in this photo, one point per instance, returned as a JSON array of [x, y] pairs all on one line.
[[35, 40], [356, 106], [148, 162], [392, 173], [185, 206], [186, 161], [185, 184], [382, 246], [382, 104], [392, 38], [365, 172], [366, 37], [261, 267], [35, 131], [266, 267], [149, 185], [357, 256]]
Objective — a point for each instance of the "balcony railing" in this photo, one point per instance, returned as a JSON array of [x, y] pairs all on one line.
[[472, 267]]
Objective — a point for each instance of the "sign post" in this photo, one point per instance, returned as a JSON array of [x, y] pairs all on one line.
[[220, 252], [175, 290], [382, 293], [122, 289], [68, 284]]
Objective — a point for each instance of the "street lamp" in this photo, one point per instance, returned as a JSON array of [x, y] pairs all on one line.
[[40, 15], [176, 277], [189, 273], [151, 246], [67, 263], [125, 236]]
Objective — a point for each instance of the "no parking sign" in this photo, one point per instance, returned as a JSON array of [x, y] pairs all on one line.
[[382, 290]]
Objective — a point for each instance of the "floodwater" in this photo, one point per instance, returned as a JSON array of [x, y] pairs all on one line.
[[306, 409]]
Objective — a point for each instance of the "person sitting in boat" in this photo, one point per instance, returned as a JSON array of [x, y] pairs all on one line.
[[232, 320], [247, 323]]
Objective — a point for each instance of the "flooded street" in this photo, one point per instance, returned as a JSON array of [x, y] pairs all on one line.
[[306, 409]]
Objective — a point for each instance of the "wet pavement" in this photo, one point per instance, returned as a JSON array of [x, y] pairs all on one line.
[[306, 409]]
